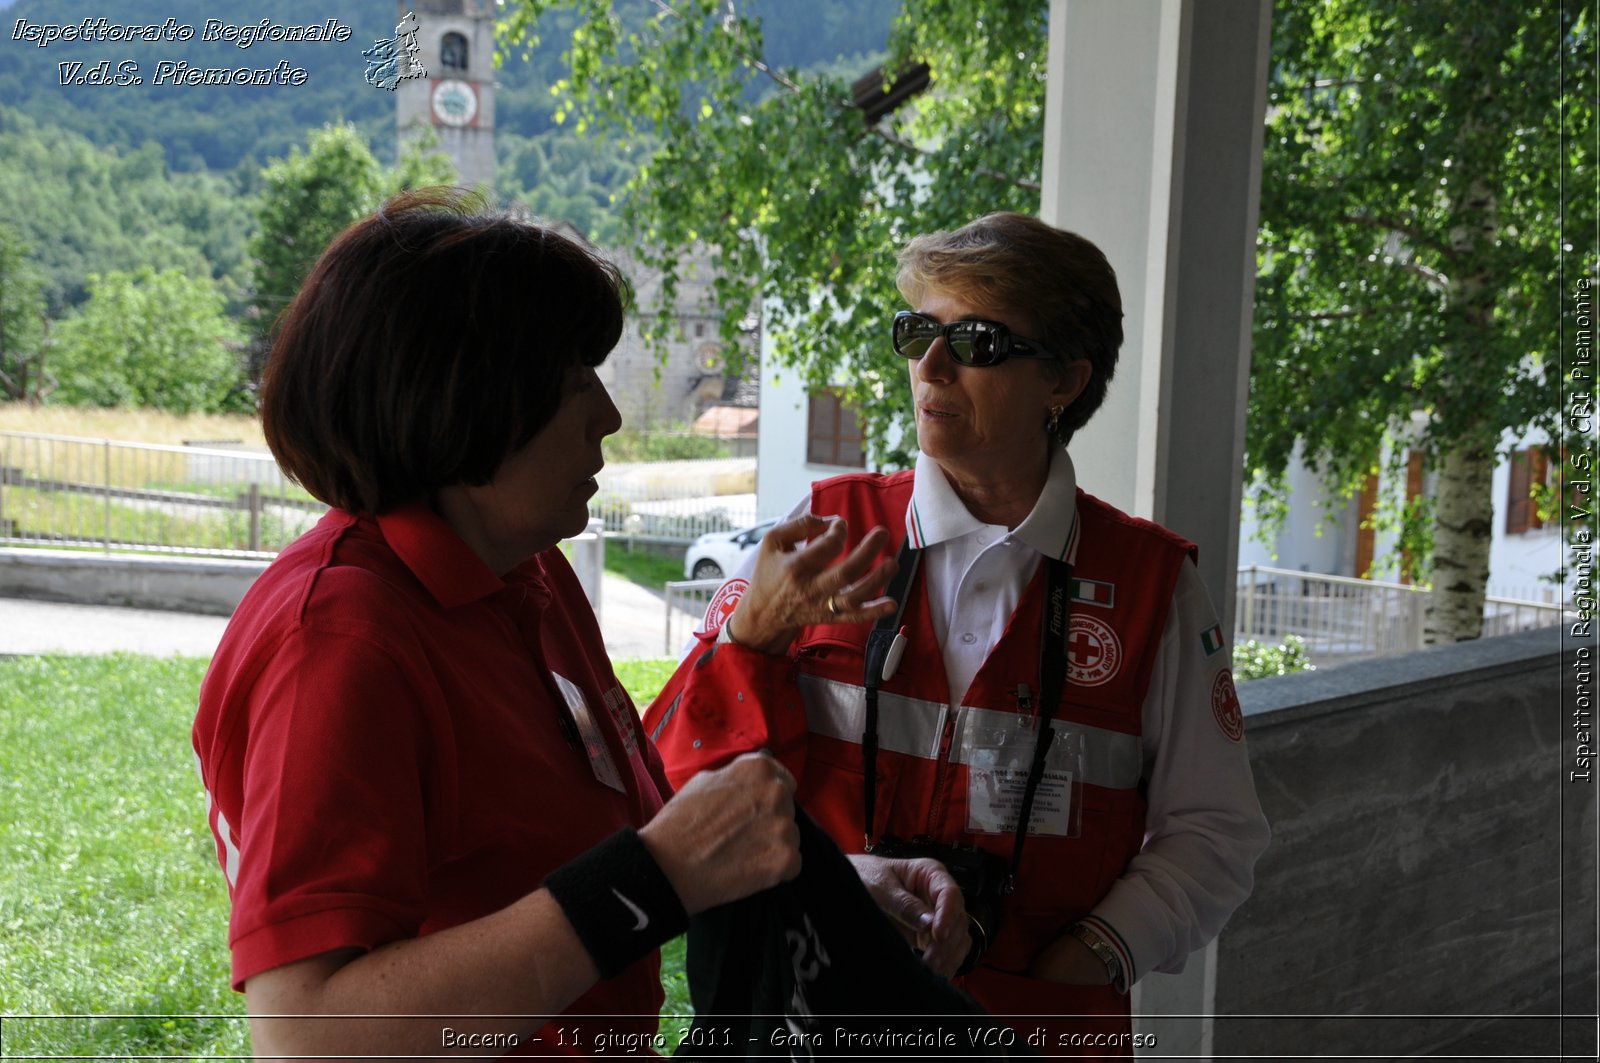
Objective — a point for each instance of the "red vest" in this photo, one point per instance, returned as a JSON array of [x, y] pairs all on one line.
[[1124, 577]]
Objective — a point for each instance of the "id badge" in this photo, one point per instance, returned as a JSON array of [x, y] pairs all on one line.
[[998, 759], [594, 742]]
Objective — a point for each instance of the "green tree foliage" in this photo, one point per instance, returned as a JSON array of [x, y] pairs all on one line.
[[82, 209], [1258, 660], [21, 320], [309, 197], [147, 338], [1411, 217], [797, 199], [1411, 253], [560, 176], [201, 127]]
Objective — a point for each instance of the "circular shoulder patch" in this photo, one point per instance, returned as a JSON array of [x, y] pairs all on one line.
[[722, 604], [1225, 706], [1094, 653]]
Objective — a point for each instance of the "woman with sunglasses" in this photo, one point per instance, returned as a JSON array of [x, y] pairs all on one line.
[[1037, 650]]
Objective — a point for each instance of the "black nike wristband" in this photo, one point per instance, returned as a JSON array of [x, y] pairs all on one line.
[[619, 901]]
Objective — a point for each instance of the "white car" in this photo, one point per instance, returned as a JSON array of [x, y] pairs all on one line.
[[717, 554]]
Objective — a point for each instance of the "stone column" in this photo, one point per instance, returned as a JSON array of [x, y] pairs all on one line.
[[1153, 125]]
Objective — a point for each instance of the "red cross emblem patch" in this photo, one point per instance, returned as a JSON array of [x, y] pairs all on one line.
[[722, 605], [1094, 653], [1225, 706]]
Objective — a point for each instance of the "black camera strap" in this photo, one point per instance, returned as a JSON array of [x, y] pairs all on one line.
[[880, 647], [1053, 631]]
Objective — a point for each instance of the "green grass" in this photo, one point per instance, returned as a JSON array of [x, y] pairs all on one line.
[[644, 677], [111, 900], [643, 567]]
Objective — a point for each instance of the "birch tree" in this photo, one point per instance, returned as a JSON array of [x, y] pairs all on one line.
[[1412, 254]]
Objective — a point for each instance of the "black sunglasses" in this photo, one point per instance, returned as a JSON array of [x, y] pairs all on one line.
[[971, 342]]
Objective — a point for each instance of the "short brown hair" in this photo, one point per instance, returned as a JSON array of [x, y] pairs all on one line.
[[429, 342], [1016, 263]]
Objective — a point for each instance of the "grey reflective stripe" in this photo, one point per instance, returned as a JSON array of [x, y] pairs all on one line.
[[913, 727], [666, 717], [1110, 758], [905, 725]]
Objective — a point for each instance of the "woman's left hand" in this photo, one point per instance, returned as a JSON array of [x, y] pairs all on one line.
[[800, 579], [925, 904]]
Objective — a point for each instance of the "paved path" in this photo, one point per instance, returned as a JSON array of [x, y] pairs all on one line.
[[632, 620]]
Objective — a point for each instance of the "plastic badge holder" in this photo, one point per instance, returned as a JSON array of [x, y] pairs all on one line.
[[998, 759]]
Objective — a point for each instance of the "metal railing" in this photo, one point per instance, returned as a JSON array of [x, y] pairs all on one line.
[[65, 491], [686, 602], [675, 501], [1340, 618], [1346, 619]]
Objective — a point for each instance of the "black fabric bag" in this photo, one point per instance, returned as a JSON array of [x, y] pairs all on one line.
[[811, 969]]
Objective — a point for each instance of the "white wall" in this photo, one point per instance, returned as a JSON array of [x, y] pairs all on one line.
[[783, 476], [1311, 540], [1518, 563]]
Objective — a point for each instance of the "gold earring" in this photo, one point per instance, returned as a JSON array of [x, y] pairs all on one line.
[[1055, 418]]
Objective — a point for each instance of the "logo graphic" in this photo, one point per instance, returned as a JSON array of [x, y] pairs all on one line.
[[1225, 706], [1094, 653], [722, 605], [1211, 639], [384, 57], [641, 920], [623, 716]]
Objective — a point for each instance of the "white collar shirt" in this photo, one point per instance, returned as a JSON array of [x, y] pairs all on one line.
[[975, 572]]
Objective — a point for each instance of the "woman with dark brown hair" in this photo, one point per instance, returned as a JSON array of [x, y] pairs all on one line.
[[430, 795]]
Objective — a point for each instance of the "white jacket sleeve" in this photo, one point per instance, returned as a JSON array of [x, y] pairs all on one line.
[[1204, 828]]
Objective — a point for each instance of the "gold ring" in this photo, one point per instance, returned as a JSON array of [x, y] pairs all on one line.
[[833, 606]]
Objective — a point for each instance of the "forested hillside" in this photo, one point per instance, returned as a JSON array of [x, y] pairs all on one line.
[[127, 181], [224, 127]]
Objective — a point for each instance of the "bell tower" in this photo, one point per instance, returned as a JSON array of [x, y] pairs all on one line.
[[456, 96]]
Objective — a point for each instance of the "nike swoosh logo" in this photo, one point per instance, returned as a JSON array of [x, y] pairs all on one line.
[[638, 912]]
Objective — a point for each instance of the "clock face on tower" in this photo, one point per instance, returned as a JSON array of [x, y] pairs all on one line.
[[455, 102]]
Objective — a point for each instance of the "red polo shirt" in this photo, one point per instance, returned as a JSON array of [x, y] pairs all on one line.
[[388, 736]]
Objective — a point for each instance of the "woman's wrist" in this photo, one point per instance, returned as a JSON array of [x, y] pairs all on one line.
[[619, 900], [1069, 961], [775, 647]]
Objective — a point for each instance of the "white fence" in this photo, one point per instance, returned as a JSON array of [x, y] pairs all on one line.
[[1346, 619], [676, 501], [115, 496], [1340, 618], [210, 501], [685, 599]]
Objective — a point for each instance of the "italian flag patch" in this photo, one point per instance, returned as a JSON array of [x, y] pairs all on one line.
[[1211, 639], [1093, 592]]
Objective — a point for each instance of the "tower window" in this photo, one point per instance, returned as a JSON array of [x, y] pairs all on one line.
[[453, 52]]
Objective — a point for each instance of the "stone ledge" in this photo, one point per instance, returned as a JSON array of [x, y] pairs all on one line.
[[187, 584], [1286, 699]]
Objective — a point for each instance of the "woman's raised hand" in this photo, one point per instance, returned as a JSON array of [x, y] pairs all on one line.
[[800, 579]]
